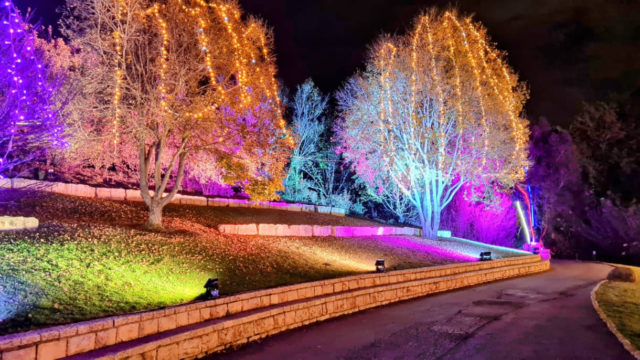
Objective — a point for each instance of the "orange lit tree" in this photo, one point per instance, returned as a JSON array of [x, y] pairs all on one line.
[[434, 109], [178, 84]]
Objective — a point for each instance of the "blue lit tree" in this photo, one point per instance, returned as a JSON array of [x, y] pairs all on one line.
[[433, 110], [29, 121]]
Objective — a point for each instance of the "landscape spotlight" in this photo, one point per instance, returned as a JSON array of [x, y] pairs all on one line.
[[485, 255], [380, 265], [212, 288]]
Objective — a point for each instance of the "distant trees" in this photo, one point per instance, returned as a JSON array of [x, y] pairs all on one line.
[[316, 172], [577, 219], [607, 138], [32, 75], [308, 107], [171, 86], [434, 109]]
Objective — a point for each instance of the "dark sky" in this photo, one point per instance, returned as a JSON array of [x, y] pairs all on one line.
[[567, 51]]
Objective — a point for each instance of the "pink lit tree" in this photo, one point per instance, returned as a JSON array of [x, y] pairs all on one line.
[[30, 102], [435, 109], [178, 86]]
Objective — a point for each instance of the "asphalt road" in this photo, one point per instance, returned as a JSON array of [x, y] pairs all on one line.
[[544, 316]]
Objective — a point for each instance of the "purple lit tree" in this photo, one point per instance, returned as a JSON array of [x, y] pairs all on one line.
[[29, 121]]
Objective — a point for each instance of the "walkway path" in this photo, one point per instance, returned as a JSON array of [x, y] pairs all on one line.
[[546, 316]]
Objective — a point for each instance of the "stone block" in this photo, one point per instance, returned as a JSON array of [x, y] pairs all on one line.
[[11, 223], [5, 183], [234, 307], [28, 353], [167, 323], [247, 229], [319, 230], [267, 229], [205, 314], [193, 200], [59, 188], [289, 318], [278, 205], [228, 228], [301, 230], [189, 348], [20, 183], [251, 304], [105, 338], [127, 332], [52, 350], [278, 321], [344, 231], [111, 193], [168, 352], [133, 195], [323, 209], [217, 202], [194, 316], [238, 203], [219, 311], [94, 325], [338, 211], [444, 233], [82, 190], [209, 341], [307, 208], [261, 204], [148, 327], [293, 207], [81, 343], [31, 223], [182, 319]]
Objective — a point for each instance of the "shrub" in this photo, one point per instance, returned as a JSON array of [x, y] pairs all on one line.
[[622, 274]]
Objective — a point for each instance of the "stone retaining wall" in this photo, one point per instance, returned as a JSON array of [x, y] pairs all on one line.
[[215, 335], [134, 195], [67, 340], [315, 230], [10, 223]]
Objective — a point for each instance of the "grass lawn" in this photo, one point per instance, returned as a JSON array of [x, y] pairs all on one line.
[[91, 258], [621, 303]]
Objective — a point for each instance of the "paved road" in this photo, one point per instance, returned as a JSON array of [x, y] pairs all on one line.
[[545, 316]]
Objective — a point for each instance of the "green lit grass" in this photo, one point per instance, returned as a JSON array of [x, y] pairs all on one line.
[[90, 258], [621, 303]]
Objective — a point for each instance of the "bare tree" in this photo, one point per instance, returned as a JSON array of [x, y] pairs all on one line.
[[309, 106], [170, 85], [435, 109]]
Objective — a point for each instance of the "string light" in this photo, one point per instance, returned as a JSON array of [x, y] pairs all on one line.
[[31, 120], [252, 62], [117, 93]]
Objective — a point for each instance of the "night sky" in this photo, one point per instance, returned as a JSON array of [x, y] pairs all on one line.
[[567, 51]]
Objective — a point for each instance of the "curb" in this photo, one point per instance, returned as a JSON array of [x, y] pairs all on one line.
[[612, 327]]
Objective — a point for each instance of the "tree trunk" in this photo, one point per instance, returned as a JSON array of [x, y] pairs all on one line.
[[155, 217], [430, 219]]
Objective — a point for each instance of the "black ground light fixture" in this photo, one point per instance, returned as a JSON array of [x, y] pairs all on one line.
[[485, 256], [380, 265], [212, 288]]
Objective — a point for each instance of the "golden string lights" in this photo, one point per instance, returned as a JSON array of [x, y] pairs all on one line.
[[235, 53], [450, 59], [117, 93]]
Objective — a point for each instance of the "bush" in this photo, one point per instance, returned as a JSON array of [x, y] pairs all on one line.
[[622, 274]]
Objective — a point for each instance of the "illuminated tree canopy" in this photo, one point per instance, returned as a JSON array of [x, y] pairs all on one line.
[[30, 100], [435, 109], [177, 85]]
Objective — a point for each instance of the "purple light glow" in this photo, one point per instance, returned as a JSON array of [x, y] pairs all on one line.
[[494, 223], [29, 121]]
